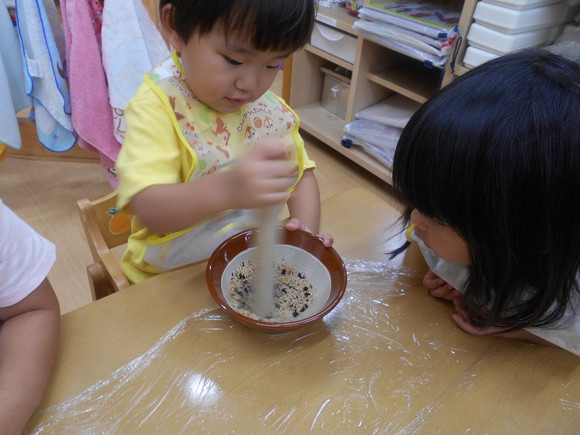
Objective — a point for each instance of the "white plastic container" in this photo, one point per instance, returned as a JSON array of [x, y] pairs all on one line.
[[334, 41], [523, 4], [518, 21], [476, 56], [335, 94], [493, 41]]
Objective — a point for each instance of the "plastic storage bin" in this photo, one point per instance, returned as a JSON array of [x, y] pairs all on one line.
[[335, 93], [523, 4], [501, 43], [511, 21], [334, 41], [476, 56]]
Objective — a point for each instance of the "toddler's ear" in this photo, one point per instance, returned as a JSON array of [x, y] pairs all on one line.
[[169, 33]]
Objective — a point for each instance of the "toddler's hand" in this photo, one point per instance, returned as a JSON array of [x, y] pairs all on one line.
[[262, 176], [294, 224], [438, 288]]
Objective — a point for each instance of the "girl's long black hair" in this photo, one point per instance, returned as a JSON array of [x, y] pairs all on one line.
[[496, 156], [269, 25]]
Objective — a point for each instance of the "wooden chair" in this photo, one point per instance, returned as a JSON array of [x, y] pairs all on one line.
[[105, 229]]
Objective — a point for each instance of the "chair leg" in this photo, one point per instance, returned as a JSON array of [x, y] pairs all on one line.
[[100, 285]]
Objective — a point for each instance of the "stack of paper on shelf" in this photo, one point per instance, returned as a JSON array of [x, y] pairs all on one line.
[[423, 30], [377, 128]]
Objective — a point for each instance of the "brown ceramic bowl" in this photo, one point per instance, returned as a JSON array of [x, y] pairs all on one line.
[[300, 250]]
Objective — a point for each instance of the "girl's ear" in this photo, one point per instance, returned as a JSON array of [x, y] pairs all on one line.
[[171, 34]]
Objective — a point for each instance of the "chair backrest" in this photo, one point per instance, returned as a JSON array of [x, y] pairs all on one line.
[[105, 229]]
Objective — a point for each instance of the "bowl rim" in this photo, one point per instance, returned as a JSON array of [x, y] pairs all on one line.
[[262, 325]]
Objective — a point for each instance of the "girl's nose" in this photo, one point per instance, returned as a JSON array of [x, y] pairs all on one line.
[[419, 219]]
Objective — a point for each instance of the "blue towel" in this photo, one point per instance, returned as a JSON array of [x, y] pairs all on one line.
[[45, 73], [12, 92]]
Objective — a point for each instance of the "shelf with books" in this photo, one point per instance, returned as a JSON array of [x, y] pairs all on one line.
[[378, 72]]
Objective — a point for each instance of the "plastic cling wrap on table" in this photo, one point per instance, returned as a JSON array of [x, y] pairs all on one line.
[[320, 379], [174, 384]]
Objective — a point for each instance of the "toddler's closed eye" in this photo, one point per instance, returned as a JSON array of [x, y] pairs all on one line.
[[232, 61]]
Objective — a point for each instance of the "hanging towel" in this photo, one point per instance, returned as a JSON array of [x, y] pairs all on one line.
[[12, 91], [45, 74], [132, 46], [91, 110]]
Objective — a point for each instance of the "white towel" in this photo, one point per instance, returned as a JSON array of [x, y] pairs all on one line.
[[45, 73], [132, 46], [12, 92]]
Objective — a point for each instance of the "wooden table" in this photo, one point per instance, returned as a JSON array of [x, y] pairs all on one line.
[[162, 358]]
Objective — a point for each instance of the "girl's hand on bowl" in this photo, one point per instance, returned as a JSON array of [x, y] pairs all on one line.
[[295, 224]]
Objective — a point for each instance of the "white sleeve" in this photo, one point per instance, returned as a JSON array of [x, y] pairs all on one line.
[[566, 333], [25, 258]]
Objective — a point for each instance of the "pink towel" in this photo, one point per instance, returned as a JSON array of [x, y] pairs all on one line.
[[91, 110]]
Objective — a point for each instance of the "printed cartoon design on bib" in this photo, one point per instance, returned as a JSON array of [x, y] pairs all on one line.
[[217, 137]]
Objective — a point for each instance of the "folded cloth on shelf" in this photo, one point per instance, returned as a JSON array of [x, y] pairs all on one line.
[[44, 73], [132, 45], [12, 91]]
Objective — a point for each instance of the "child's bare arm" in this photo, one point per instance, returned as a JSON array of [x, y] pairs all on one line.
[[304, 202], [28, 345], [304, 207], [260, 178]]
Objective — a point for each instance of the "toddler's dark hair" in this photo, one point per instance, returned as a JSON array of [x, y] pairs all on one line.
[[270, 25], [496, 156]]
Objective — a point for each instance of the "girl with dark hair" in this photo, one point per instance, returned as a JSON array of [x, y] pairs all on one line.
[[206, 142], [490, 172]]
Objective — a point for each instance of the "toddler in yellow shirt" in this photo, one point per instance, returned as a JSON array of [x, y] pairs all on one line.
[[206, 143]]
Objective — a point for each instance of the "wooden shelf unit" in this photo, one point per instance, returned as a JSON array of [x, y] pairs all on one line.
[[377, 73]]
